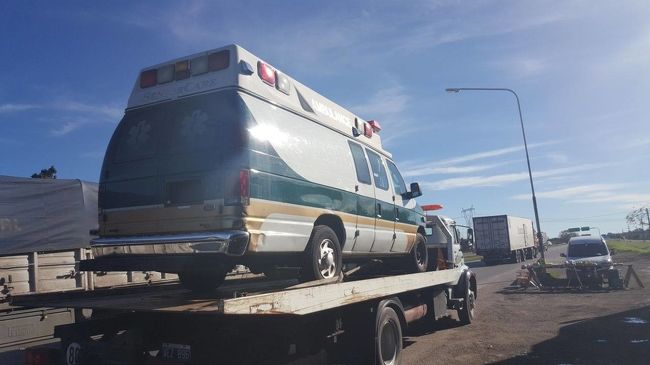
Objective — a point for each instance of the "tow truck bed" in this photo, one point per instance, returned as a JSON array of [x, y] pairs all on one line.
[[241, 297]]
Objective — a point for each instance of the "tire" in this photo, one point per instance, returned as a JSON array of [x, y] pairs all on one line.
[[432, 260], [419, 257], [389, 337], [466, 311], [203, 280], [323, 259]]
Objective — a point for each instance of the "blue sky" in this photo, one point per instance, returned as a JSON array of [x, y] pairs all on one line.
[[580, 68]]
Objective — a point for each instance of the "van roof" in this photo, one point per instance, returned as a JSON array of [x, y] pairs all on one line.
[[242, 71]]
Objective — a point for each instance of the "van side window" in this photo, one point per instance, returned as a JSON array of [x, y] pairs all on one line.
[[398, 181], [360, 164], [378, 170]]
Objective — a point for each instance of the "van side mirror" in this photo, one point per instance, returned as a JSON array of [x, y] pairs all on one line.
[[612, 252], [470, 235], [415, 191], [563, 255]]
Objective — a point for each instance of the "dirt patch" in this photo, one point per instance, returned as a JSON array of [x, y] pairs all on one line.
[[532, 327]]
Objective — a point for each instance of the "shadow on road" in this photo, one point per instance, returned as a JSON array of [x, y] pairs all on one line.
[[621, 338]]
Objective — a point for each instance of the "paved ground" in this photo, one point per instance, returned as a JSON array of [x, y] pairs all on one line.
[[532, 327]]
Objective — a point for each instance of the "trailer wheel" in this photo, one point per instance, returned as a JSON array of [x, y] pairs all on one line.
[[466, 310], [203, 280], [323, 255], [419, 255], [389, 337]]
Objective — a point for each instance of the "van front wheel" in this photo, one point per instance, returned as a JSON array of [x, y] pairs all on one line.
[[323, 255]]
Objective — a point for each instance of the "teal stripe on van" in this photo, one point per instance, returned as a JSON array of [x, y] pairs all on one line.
[[300, 192]]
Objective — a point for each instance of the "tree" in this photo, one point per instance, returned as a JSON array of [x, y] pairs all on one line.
[[45, 174], [637, 217]]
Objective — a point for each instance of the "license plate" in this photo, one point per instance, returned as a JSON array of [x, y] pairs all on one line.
[[176, 352]]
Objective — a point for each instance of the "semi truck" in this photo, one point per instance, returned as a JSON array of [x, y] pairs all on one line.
[[504, 238]]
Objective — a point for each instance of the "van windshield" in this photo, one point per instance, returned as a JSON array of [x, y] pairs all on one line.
[[587, 249]]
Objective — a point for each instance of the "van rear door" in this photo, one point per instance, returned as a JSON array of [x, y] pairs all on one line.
[[170, 166]]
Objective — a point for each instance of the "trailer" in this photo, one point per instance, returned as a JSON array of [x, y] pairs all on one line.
[[255, 320], [504, 238]]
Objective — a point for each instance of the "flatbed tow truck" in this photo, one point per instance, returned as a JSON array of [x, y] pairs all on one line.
[[354, 319]]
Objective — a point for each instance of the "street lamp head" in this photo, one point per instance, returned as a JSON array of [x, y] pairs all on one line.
[[452, 90]]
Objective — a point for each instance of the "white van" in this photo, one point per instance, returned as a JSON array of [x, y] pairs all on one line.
[[221, 159]]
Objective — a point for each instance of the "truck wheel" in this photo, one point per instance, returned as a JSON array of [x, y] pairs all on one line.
[[202, 280], [389, 337], [419, 259], [323, 255], [466, 310]]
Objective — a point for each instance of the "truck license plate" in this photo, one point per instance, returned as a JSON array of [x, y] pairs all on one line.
[[176, 352]]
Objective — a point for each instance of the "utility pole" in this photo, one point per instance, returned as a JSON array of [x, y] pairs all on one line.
[[468, 214]]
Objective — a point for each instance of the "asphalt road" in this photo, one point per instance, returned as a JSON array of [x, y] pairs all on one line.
[[505, 272]]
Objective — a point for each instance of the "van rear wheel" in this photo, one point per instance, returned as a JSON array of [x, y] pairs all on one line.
[[323, 255], [419, 257]]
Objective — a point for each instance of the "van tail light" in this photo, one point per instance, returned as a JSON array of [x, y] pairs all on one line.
[[244, 186], [240, 193]]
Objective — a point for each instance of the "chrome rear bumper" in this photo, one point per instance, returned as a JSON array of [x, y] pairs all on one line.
[[231, 243]]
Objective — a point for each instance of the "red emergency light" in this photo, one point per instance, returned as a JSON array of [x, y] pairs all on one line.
[[430, 207], [367, 130], [267, 74], [376, 127]]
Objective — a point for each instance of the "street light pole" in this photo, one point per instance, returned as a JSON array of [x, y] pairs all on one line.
[[523, 133]]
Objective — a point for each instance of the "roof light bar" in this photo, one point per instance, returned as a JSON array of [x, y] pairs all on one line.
[[182, 70], [199, 65], [148, 78], [166, 74], [219, 60]]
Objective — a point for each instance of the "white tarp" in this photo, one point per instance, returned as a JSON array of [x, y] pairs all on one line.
[[45, 214]]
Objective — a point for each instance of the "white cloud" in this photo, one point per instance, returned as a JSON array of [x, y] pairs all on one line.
[[452, 169], [384, 102], [66, 128], [69, 115], [10, 108], [503, 179], [572, 191], [415, 168]]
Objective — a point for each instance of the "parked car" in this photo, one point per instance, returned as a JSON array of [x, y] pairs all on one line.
[[589, 257]]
